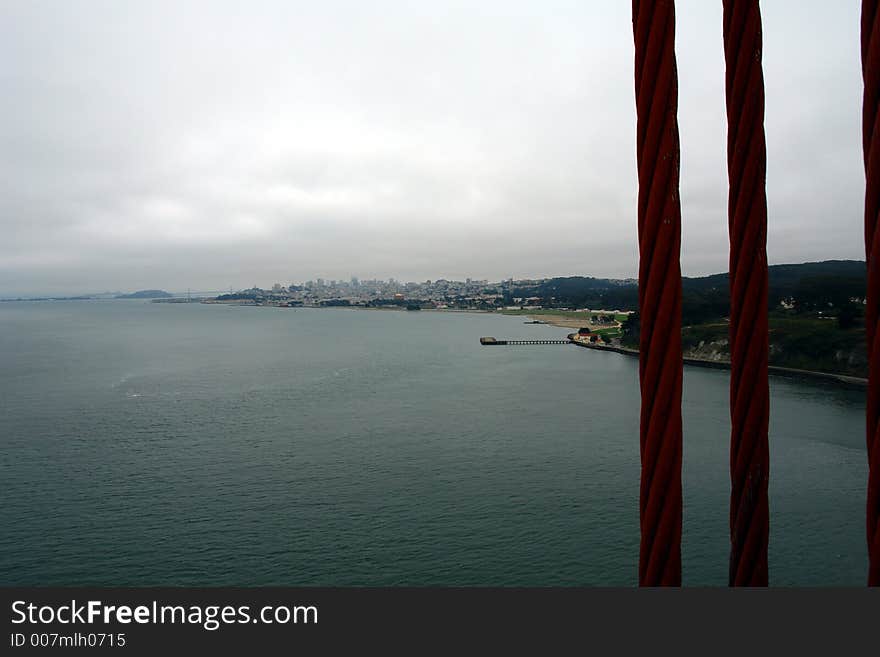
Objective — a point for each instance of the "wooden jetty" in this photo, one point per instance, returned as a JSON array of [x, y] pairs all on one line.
[[493, 341]]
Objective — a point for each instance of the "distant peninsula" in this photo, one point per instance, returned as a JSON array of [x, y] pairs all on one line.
[[145, 294]]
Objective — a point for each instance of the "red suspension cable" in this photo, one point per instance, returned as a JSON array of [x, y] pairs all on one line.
[[747, 225], [660, 363], [871, 147]]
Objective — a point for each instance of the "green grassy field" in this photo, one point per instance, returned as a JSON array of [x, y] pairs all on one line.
[[546, 311], [575, 314]]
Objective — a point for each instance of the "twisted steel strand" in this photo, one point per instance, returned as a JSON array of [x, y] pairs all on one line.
[[660, 360], [747, 225]]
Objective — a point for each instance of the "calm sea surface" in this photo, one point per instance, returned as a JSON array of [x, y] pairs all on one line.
[[159, 444]]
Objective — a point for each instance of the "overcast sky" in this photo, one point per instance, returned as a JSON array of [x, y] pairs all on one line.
[[217, 144]]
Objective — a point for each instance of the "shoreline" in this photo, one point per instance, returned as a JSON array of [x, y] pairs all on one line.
[[789, 372], [568, 323]]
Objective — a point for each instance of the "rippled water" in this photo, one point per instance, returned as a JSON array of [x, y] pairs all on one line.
[[157, 444]]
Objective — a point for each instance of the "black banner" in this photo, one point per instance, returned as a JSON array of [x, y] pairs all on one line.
[[129, 621]]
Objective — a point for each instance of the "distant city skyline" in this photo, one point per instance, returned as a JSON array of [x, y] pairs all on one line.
[[357, 282], [206, 144]]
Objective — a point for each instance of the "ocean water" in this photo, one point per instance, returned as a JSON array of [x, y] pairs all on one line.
[[163, 444]]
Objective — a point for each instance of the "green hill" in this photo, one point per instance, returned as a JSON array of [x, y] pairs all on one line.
[[816, 312]]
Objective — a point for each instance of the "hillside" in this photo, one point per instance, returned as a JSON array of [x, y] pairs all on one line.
[[816, 312], [145, 294], [809, 279]]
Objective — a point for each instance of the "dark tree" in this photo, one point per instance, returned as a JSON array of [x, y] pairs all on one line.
[[630, 331], [846, 318]]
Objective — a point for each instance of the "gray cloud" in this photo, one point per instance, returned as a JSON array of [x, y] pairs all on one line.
[[210, 144]]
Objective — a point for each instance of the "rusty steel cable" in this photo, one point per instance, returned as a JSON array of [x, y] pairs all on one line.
[[659, 228], [749, 345]]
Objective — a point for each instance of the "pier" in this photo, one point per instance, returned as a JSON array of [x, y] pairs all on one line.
[[493, 341]]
